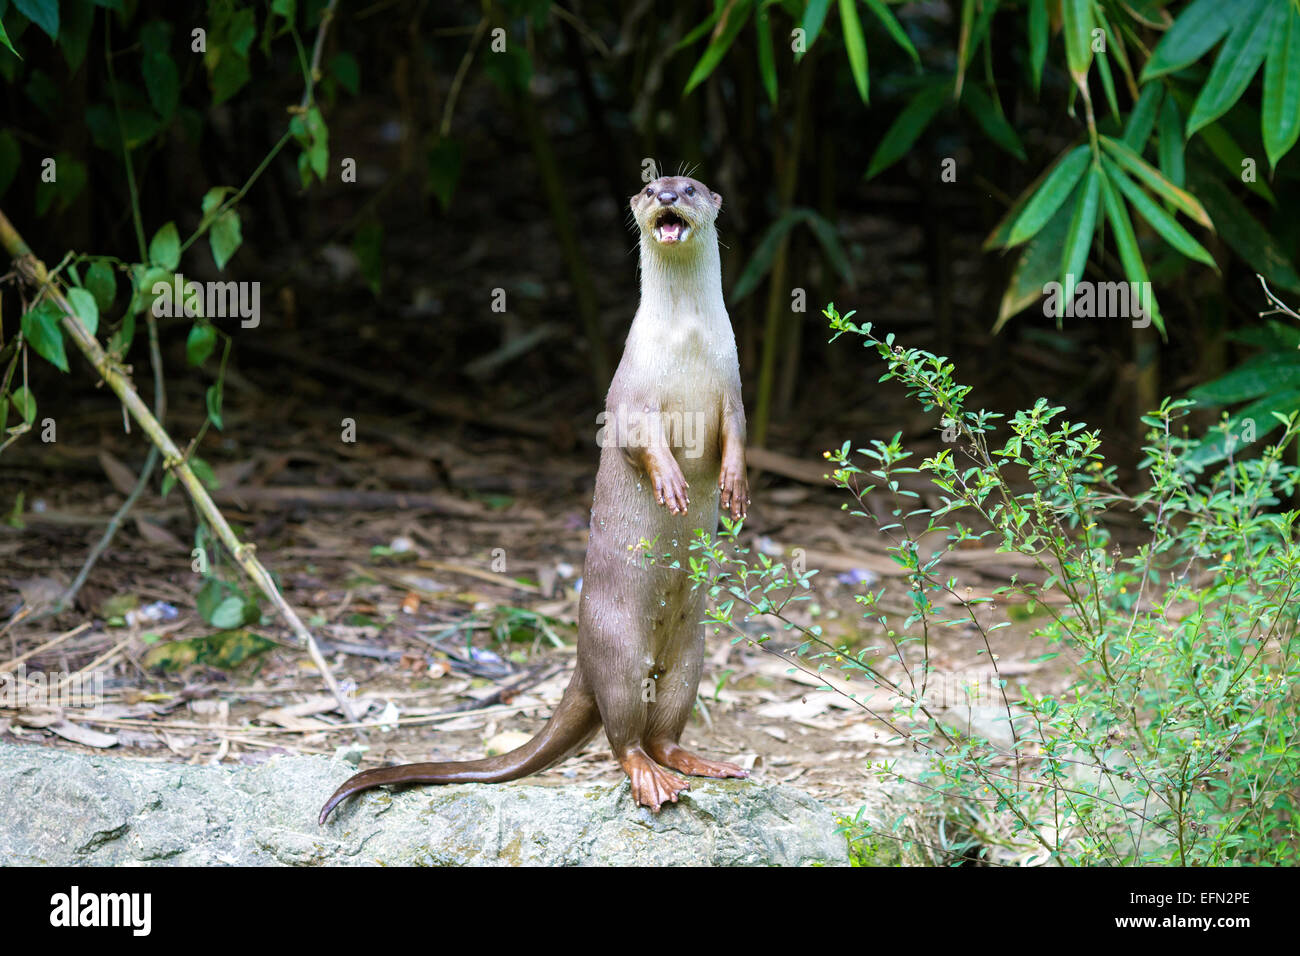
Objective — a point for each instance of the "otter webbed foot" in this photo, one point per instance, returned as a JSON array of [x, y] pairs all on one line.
[[652, 785], [683, 761]]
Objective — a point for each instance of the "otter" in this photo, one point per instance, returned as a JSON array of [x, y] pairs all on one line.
[[672, 448]]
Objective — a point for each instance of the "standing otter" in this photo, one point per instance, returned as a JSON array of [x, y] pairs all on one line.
[[673, 422]]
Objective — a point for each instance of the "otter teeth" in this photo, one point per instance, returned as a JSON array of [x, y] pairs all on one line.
[[671, 229]]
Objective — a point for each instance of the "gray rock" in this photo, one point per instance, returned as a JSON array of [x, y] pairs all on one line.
[[64, 808]]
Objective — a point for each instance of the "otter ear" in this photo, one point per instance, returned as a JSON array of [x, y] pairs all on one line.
[[717, 200]]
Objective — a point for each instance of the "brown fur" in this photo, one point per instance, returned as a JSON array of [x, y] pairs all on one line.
[[672, 445]]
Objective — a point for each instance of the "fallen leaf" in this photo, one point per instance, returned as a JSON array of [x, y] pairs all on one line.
[[83, 735], [506, 741], [122, 478]]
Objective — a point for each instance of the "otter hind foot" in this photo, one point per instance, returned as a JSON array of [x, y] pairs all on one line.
[[652, 785], [683, 761]]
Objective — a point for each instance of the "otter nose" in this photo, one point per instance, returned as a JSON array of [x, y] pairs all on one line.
[[667, 197]]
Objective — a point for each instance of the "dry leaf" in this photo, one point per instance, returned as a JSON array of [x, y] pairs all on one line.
[[122, 478], [506, 741], [157, 535], [84, 735]]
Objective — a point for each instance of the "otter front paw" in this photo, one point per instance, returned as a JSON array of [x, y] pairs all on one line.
[[669, 484], [734, 487]]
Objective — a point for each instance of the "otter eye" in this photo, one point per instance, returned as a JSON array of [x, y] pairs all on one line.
[[690, 190]]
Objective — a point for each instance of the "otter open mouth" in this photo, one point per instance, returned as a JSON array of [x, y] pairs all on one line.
[[670, 228]]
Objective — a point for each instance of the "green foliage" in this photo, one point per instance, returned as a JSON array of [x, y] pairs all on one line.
[[760, 263], [1270, 382], [312, 135], [444, 170], [1172, 742], [43, 331], [128, 117], [225, 650], [727, 21], [368, 244]]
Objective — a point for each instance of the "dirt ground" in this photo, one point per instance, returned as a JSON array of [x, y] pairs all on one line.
[[452, 617]]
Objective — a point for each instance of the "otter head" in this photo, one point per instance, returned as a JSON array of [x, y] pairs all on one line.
[[675, 212]]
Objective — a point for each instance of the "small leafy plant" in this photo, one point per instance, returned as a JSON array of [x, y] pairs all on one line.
[[1173, 742]]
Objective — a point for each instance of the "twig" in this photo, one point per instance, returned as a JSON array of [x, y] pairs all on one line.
[[326, 16], [110, 653], [85, 625], [358, 725], [1278, 304], [453, 94]]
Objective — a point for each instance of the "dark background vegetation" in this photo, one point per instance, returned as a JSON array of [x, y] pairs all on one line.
[[457, 197]]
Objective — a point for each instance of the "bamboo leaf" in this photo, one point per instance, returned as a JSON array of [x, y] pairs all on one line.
[[1237, 63], [43, 13], [734, 17], [1160, 221], [855, 44], [973, 30], [1245, 236], [1130, 255], [708, 23], [761, 261], [766, 57], [1078, 239], [1226, 150], [1108, 84], [1259, 376], [1272, 335], [1077, 23], [964, 41], [987, 113], [4, 38], [1216, 445], [1140, 122], [1280, 120], [1171, 146], [1050, 195], [1001, 233], [1037, 41], [813, 20], [909, 124], [1039, 264], [1200, 25], [891, 24], [1135, 164]]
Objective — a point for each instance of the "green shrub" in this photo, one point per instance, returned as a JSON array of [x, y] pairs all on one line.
[[1173, 743]]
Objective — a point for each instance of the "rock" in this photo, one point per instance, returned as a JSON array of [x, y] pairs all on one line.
[[62, 808]]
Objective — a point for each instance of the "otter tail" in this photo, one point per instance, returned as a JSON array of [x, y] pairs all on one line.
[[572, 724]]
